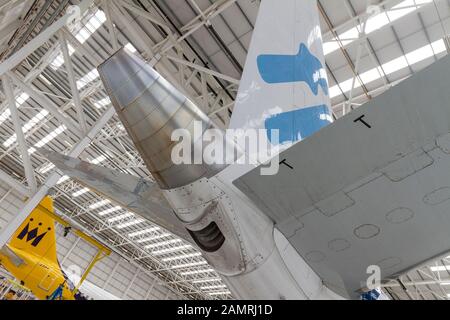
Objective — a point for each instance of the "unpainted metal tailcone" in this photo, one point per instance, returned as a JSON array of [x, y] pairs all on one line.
[[150, 109]]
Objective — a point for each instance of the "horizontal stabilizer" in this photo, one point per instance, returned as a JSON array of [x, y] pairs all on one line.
[[371, 189], [137, 195]]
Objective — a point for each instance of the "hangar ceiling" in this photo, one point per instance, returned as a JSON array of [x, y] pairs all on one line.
[[49, 69]]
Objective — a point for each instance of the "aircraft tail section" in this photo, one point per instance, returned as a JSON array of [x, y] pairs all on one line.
[[36, 235], [284, 85], [31, 256]]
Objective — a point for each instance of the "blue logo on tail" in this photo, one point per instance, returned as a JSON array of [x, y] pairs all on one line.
[[303, 67], [298, 124]]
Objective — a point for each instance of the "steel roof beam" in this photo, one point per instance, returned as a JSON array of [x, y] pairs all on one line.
[[29, 172], [43, 37]]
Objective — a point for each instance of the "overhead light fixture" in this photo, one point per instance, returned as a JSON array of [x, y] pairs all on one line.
[[98, 160], [121, 217], [99, 204], [183, 256], [189, 273], [130, 223], [63, 179], [440, 268], [375, 23], [80, 192], [43, 78], [219, 286], [102, 103], [59, 60], [141, 232], [46, 168], [189, 265], [20, 100], [52, 135], [220, 293], [95, 22], [391, 66], [109, 210], [130, 48], [147, 239], [174, 249], [27, 127], [163, 243], [207, 280], [88, 78]]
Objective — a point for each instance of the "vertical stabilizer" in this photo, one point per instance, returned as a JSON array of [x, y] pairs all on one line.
[[284, 85]]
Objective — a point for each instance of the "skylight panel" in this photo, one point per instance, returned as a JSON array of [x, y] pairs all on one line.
[[174, 249], [392, 66], [375, 23], [59, 60], [347, 85], [395, 65], [163, 243], [219, 293], [440, 268], [189, 265], [218, 286], [121, 217], [80, 192], [43, 78], [188, 273], [141, 232], [371, 75], [98, 160], [99, 204], [21, 99], [419, 54], [4, 116], [206, 280], [95, 22], [102, 103], [63, 179], [46, 168], [27, 127], [130, 48], [183, 256], [334, 91], [50, 136], [399, 12], [161, 236], [438, 46], [88, 78], [130, 223], [109, 210]]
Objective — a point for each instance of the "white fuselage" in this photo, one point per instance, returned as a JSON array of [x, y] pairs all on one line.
[[256, 260]]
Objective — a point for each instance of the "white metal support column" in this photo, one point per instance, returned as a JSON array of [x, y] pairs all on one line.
[[51, 181], [43, 37], [19, 133], [73, 83], [110, 24], [45, 102]]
